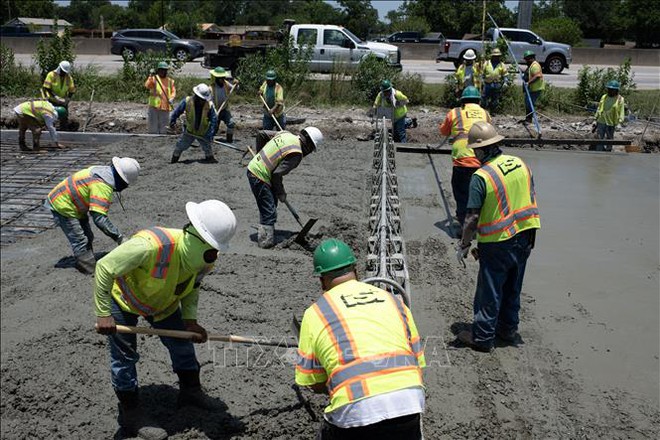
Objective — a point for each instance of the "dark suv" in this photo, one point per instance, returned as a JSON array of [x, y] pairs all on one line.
[[128, 42], [405, 37]]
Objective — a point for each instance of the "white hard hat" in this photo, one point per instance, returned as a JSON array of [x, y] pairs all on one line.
[[127, 168], [214, 220], [65, 66], [470, 55], [203, 91], [315, 135]]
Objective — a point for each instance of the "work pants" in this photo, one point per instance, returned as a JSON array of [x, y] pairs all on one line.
[[399, 130], [77, 231], [187, 139], [460, 185], [266, 200], [26, 123], [124, 355], [604, 131], [157, 120], [499, 283], [269, 124], [225, 116], [490, 98], [528, 107], [400, 428]]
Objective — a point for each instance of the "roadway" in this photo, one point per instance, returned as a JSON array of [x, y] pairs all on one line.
[[646, 77]]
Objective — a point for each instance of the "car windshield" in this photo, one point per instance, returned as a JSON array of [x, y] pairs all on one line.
[[170, 35], [353, 37]]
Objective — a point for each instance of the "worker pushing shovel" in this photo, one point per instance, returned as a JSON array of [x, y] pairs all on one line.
[[277, 158], [222, 88], [271, 94]]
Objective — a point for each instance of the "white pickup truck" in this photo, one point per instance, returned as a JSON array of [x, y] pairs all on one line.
[[554, 57], [336, 44]]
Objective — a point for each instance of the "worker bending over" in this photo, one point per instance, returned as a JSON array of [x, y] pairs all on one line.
[[277, 158], [58, 88], [503, 214], [611, 112], [33, 115], [90, 192], [161, 98], [359, 344], [156, 274], [273, 93], [200, 123], [390, 98], [221, 88]]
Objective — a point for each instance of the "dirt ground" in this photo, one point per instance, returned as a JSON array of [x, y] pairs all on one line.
[[55, 375]]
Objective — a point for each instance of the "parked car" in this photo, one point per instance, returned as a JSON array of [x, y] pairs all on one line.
[[128, 42], [554, 57], [405, 37]]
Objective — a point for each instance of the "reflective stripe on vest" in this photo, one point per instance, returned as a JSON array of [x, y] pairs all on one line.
[[37, 108], [271, 161], [71, 186], [190, 118], [462, 120], [166, 245], [263, 164], [308, 364], [129, 298]]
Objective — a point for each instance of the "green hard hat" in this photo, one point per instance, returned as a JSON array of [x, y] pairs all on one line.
[[385, 85], [61, 112], [332, 254], [529, 53], [271, 75], [163, 65], [470, 92], [219, 72], [614, 84]]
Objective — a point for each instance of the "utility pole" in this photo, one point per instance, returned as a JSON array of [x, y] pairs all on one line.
[[102, 27], [162, 14], [525, 14]]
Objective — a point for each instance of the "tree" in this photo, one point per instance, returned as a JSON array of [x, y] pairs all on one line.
[[80, 13], [559, 29], [26, 8], [359, 17], [644, 22], [604, 19]]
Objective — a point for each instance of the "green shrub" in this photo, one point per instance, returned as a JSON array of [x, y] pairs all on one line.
[[560, 29], [411, 85], [136, 71], [592, 81], [51, 52], [369, 74], [16, 79]]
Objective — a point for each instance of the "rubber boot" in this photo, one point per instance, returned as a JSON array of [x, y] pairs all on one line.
[[230, 136], [266, 236], [191, 393], [86, 263], [210, 159], [175, 158], [133, 421]]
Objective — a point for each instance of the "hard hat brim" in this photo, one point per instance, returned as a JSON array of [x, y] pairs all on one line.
[[486, 143], [115, 162], [192, 210], [218, 75]]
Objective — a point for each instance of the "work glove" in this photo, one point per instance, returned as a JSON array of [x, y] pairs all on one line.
[[462, 252], [281, 197], [593, 127], [371, 112]]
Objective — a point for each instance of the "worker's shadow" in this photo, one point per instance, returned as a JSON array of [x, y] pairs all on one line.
[[69, 262], [159, 402]]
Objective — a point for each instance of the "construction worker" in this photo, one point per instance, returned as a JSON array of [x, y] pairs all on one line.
[[161, 98], [457, 124], [390, 98], [200, 123], [468, 73], [494, 76], [156, 274], [360, 345], [534, 83], [611, 112], [89, 191], [277, 158], [33, 115], [58, 88], [273, 93], [221, 88], [502, 212]]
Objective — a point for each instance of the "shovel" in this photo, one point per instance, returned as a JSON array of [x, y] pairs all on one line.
[[301, 237]]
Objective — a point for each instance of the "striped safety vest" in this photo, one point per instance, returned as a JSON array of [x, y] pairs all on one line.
[[59, 86], [269, 157], [37, 108], [364, 341], [162, 90], [79, 193], [510, 203], [190, 118], [462, 120]]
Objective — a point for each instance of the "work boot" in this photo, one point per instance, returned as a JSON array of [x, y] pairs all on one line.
[[414, 122], [133, 421], [510, 336], [230, 137], [175, 158], [266, 236], [86, 263], [23, 146], [191, 393], [209, 159], [466, 338]]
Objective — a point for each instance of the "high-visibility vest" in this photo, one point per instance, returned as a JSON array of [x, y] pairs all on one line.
[[613, 115], [494, 74], [476, 75], [279, 97], [152, 288], [539, 83], [400, 111], [60, 86], [269, 157], [510, 203], [190, 118], [363, 341], [79, 193], [462, 120], [162, 90], [37, 108]]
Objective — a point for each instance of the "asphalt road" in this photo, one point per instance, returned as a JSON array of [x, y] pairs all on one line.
[[646, 77]]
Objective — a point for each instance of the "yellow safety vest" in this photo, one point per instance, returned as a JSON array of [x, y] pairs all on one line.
[[399, 112], [162, 90], [269, 157], [60, 86], [190, 118], [360, 340], [510, 203], [37, 108], [279, 97], [539, 83], [79, 193], [613, 115], [494, 74], [462, 120], [476, 78], [153, 288]]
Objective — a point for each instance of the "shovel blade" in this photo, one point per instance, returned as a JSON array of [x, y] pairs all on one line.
[[301, 237]]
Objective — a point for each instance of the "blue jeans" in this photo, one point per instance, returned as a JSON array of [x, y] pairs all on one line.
[[124, 355], [187, 139], [77, 231], [491, 96], [460, 185], [528, 106], [497, 299], [225, 116], [266, 200], [399, 130], [269, 124], [604, 131]]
